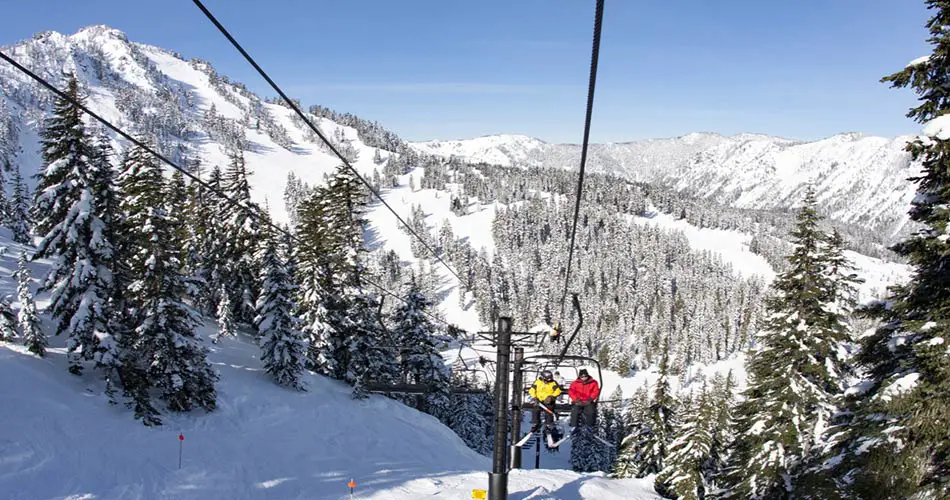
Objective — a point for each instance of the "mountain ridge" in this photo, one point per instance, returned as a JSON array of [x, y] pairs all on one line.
[[859, 178]]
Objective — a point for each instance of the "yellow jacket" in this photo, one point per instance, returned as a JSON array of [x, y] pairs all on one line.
[[541, 390]]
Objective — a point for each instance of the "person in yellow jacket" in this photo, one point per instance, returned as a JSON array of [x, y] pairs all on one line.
[[545, 390]]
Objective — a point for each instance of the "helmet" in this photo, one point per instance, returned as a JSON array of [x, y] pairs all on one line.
[[547, 376]]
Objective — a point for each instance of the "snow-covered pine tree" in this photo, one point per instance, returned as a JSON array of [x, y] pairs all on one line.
[[138, 180], [722, 397], [67, 215], [588, 454], [683, 474], [236, 245], [898, 443], [177, 362], [842, 292], [794, 373], [344, 200], [466, 415], [8, 331], [283, 352], [33, 337], [5, 168], [225, 315], [644, 450], [419, 359], [161, 349], [612, 425], [19, 220], [108, 207], [209, 263], [372, 357], [626, 464]]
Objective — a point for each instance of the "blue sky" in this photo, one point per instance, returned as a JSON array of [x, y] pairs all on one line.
[[443, 69]]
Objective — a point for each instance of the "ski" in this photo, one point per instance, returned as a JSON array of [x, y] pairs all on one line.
[[524, 440], [559, 442]]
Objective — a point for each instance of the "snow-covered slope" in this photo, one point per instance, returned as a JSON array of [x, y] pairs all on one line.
[[62, 440], [733, 247], [858, 179]]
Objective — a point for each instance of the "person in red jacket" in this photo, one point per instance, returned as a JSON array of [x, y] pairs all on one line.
[[583, 394]]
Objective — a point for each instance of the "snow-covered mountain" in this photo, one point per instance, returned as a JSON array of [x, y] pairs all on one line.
[[195, 114], [859, 179]]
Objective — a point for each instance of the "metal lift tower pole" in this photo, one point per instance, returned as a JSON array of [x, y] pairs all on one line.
[[498, 478], [516, 402]]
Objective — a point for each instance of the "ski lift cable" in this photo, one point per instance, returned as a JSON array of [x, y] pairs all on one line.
[[256, 214], [595, 55], [319, 133]]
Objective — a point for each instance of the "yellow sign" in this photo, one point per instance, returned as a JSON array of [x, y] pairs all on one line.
[[479, 494]]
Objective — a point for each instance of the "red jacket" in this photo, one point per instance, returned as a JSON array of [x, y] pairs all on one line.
[[581, 391]]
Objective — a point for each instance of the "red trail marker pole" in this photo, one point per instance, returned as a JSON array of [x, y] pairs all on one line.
[[181, 440]]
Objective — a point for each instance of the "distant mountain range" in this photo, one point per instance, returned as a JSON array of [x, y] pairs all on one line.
[[859, 179]]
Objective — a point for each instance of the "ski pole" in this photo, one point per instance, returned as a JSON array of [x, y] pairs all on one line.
[[545, 408]]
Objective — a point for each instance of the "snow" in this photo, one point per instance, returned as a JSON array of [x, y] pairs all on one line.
[[732, 246], [938, 128], [503, 149], [63, 440], [900, 386], [388, 231], [877, 274], [916, 62]]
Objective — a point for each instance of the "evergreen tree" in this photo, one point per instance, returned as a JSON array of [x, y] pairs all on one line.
[[140, 182], [587, 452], [65, 150], [469, 417], [612, 425], [328, 327], [33, 336], [177, 362], [684, 472], [209, 263], [344, 201], [68, 207], [8, 330], [226, 326], [644, 450], [898, 442], [5, 207], [19, 220], [795, 372], [283, 352], [723, 400], [419, 360], [236, 244], [160, 348], [371, 357]]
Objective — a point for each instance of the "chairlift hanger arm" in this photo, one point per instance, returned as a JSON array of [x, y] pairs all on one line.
[[580, 322]]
